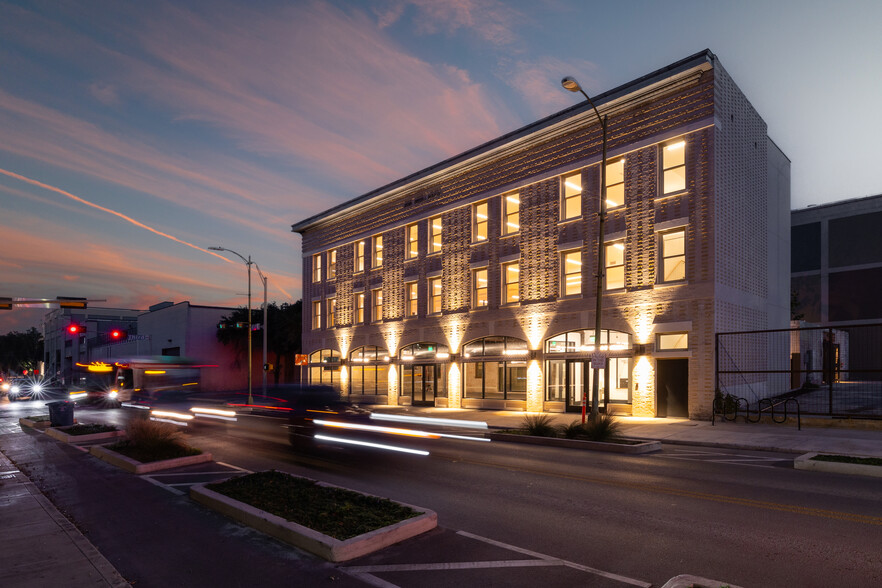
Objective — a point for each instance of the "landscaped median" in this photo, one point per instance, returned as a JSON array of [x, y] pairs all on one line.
[[840, 464], [334, 523], [35, 422], [102, 452], [598, 434], [84, 433]]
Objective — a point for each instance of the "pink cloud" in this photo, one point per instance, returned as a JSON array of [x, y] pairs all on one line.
[[538, 82], [490, 20]]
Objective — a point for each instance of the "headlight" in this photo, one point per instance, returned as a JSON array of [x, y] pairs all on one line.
[[5, 386], [113, 394], [37, 388], [15, 389]]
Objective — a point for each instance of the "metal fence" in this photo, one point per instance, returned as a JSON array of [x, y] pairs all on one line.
[[831, 371]]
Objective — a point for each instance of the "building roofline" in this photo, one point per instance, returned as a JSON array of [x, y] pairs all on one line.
[[700, 58], [812, 207]]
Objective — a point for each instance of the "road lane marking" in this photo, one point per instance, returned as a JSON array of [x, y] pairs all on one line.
[[794, 509]]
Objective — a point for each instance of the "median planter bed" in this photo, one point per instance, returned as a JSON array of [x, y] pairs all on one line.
[[137, 467], [808, 462], [69, 434], [35, 423], [629, 446], [415, 521]]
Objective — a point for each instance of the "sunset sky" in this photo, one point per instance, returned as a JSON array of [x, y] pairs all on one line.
[[135, 135]]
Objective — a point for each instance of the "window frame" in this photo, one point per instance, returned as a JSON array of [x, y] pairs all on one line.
[[506, 283], [316, 268], [377, 251], [565, 200], [662, 257], [476, 290], [617, 244], [660, 336], [412, 241], [332, 263], [667, 146], [411, 303], [332, 312], [358, 307], [508, 214], [478, 224], [358, 261], [432, 249], [316, 315], [564, 284], [376, 305], [435, 300], [617, 161]]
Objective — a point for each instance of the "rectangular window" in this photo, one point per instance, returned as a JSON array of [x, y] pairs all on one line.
[[434, 295], [673, 256], [412, 246], [359, 257], [615, 265], [674, 167], [377, 310], [316, 315], [511, 217], [479, 288], [332, 312], [479, 222], [359, 307], [410, 303], [615, 183], [317, 267], [672, 342], [571, 203], [332, 264], [377, 260], [511, 283], [435, 237], [571, 272]]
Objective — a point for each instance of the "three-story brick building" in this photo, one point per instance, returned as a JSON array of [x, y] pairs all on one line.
[[471, 284]]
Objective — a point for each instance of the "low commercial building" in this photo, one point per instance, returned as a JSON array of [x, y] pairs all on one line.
[[471, 284]]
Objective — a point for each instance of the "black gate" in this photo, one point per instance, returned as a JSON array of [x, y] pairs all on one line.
[[830, 371]]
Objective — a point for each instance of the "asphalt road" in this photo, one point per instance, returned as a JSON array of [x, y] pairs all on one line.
[[516, 515]]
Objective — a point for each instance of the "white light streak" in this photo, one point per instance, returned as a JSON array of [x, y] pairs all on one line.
[[374, 445], [401, 418]]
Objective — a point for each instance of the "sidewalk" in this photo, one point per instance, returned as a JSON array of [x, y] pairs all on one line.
[[40, 547]]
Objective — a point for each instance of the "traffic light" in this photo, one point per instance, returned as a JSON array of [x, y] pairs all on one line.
[[5, 303], [76, 329], [69, 302], [118, 335]]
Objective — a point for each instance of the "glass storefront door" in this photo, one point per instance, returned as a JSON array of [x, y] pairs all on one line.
[[421, 383], [570, 379]]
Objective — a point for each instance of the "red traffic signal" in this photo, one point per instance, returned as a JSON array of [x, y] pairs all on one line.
[[118, 335], [75, 329]]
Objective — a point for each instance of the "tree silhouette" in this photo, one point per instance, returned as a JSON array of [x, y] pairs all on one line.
[[283, 334]]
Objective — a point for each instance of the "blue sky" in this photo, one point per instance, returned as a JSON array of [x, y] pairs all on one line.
[[137, 134]]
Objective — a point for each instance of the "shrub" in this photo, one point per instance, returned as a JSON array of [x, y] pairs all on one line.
[[603, 428], [572, 431], [149, 434], [539, 425]]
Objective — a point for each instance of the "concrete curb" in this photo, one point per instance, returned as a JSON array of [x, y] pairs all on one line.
[[312, 541], [687, 581], [805, 462], [38, 425], [643, 446], [60, 434], [137, 467]]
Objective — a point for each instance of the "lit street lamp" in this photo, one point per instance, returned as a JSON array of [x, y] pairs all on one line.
[[248, 262], [572, 85]]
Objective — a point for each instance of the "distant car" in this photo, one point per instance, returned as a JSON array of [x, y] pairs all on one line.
[[20, 389]]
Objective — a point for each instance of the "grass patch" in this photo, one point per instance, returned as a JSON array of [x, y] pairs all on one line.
[[39, 419], [150, 441], [89, 429], [335, 512], [872, 461]]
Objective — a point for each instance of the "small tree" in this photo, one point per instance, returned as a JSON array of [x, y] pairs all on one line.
[[283, 332]]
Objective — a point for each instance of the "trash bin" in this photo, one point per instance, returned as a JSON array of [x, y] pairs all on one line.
[[61, 413]]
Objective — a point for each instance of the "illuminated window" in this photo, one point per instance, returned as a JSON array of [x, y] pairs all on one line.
[[615, 183], [672, 341], [377, 261], [359, 307], [479, 288], [434, 295], [511, 282], [435, 236], [412, 246], [511, 208], [571, 201], [359, 257], [316, 315], [411, 298], [571, 272], [332, 264], [377, 310], [332, 312], [615, 265], [674, 167], [317, 267], [673, 256], [479, 222]]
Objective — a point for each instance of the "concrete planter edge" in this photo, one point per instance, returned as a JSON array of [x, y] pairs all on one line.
[[39, 425], [326, 547], [641, 447], [805, 462], [60, 434], [137, 467]]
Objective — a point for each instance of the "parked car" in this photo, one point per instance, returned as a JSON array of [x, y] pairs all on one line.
[[20, 389]]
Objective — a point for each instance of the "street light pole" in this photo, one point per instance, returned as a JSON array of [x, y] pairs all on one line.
[[248, 262], [263, 279], [570, 83]]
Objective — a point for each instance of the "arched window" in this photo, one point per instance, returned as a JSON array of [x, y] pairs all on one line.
[[368, 370], [425, 351], [324, 368], [496, 367], [422, 376]]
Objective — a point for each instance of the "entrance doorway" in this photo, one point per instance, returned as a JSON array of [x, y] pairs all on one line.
[[672, 387], [570, 379], [420, 382]]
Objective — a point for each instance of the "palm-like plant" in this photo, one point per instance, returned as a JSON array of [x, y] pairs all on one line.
[[539, 425]]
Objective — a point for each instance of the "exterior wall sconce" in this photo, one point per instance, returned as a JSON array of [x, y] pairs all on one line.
[[640, 349], [534, 354]]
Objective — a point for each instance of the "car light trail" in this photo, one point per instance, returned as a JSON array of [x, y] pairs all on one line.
[[77, 395], [171, 421], [429, 421], [174, 415], [130, 405], [374, 445], [376, 429], [214, 413]]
